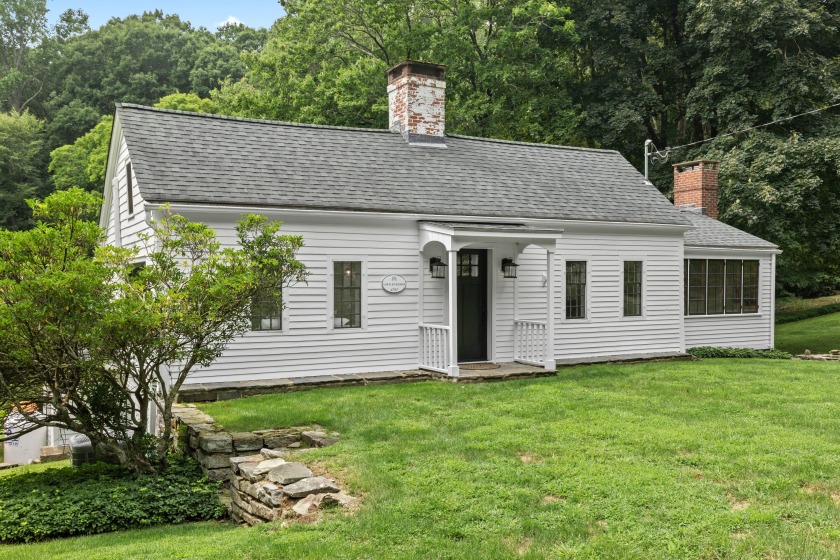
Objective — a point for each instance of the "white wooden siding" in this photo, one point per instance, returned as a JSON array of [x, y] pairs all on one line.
[[605, 331], [126, 232], [735, 331], [307, 346]]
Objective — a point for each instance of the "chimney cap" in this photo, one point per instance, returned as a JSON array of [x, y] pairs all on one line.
[[417, 67], [704, 162]]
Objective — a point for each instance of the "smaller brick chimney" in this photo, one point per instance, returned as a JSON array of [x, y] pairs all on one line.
[[416, 99], [696, 187]]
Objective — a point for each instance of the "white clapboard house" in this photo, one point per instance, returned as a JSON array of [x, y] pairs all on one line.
[[429, 250]]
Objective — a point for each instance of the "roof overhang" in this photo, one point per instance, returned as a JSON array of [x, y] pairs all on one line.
[[723, 250], [457, 235]]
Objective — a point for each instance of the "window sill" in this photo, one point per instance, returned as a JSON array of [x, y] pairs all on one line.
[[632, 318], [265, 333], [724, 315]]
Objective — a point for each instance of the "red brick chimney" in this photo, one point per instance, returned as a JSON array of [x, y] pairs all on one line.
[[696, 186], [416, 100]]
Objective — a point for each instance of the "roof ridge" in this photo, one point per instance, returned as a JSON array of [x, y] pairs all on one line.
[[349, 128], [245, 119], [540, 144]]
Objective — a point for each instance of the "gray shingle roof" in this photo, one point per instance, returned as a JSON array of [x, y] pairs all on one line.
[[188, 157], [709, 232]]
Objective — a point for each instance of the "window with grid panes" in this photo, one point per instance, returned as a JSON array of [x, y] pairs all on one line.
[[633, 288], [696, 287], [468, 265], [716, 286], [347, 294], [750, 291], [575, 289], [266, 314], [715, 283], [733, 287]]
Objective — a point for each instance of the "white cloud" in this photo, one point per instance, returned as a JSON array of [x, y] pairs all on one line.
[[231, 20]]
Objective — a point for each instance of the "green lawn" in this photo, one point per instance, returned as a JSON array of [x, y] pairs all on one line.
[[819, 334], [710, 459]]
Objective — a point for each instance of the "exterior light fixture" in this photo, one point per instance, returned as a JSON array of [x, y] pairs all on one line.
[[437, 267], [509, 268]]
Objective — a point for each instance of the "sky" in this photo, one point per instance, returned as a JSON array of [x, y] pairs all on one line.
[[206, 13]]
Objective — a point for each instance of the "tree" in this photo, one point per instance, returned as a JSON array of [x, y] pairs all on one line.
[[28, 46], [188, 102], [21, 165], [509, 71], [82, 163], [141, 58], [90, 343]]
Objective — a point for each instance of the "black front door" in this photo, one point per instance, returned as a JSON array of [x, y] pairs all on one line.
[[472, 305]]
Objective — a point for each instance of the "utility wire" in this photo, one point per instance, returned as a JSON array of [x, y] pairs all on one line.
[[811, 112]]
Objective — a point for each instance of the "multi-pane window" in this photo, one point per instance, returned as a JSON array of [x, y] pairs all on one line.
[[696, 287], [633, 288], [468, 265], [129, 188], [347, 294], [750, 291], [715, 282], [266, 314], [575, 289], [717, 286], [734, 281]]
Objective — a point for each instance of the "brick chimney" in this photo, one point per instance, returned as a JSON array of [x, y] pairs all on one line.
[[696, 187], [416, 98]]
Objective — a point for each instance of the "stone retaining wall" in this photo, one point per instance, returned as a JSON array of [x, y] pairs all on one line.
[[264, 487], [208, 443], [832, 356]]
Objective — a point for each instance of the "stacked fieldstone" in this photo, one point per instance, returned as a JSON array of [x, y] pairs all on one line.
[[212, 446], [265, 487], [833, 355]]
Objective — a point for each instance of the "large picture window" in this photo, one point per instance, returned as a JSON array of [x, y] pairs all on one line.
[[633, 288], [575, 289], [347, 294], [717, 286]]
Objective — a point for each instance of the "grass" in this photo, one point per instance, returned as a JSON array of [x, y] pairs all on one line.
[[819, 335], [38, 467], [789, 310], [708, 459]]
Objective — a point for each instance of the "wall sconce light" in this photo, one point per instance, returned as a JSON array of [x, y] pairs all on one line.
[[509, 268], [437, 267]]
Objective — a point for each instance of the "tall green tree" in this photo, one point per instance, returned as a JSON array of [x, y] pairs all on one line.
[[28, 48], [22, 161], [141, 58], [82, 163], [509, 74]]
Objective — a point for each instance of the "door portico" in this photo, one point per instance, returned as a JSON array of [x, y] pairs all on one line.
[[508, 337]]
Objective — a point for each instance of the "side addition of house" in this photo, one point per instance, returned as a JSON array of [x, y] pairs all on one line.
[[431, 250]]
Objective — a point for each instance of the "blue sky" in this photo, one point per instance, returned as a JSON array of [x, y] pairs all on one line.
[[207, 13]]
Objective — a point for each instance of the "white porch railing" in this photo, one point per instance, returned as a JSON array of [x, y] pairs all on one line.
[[529, 342], [433, 348]]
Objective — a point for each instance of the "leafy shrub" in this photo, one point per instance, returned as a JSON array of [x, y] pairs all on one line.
[[719, 352], [102, 498], [808, 313]]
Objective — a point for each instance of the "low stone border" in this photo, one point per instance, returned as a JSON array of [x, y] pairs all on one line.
[[208, 392], [263, 486], [832, 356]]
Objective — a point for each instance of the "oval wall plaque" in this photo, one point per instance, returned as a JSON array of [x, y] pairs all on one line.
[[393, 284]]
